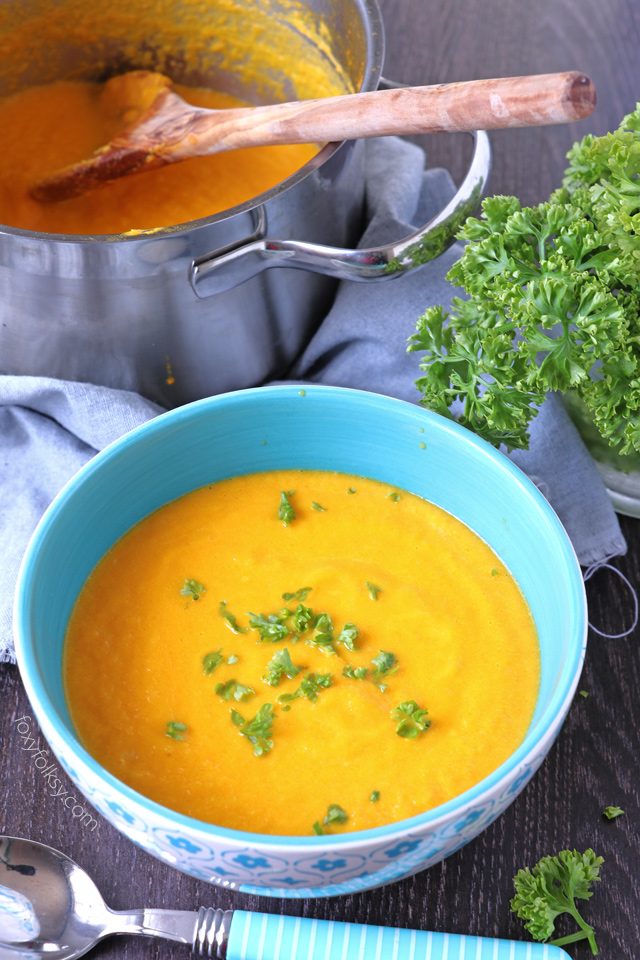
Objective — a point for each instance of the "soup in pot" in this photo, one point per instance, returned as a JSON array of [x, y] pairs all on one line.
[[46, 128], [222, 53]]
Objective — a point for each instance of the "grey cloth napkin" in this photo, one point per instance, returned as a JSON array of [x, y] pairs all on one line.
[[50, 428]]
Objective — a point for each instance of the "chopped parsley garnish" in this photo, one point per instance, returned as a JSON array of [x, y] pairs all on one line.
[[318, 507], [385, 664], [583, 693], [495, 572], [232, 659], [355, 673], [313, 683], [272, 628], [374, 796], [351, 490], [335, 814], [348, 636], [412, 719], [193, 588], [258, 730], [303, 618], [372, 589], [211, 660], [323, 637], [280, 666], [298, 595], [310, 687], [395, 496], [232, 690], [612, 812], [176, 730], [229, 618], [286, 513]]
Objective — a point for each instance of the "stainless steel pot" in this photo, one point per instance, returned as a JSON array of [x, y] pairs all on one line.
[[192, 310]]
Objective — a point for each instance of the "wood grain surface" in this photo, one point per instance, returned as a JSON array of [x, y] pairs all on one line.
[[595, 760]]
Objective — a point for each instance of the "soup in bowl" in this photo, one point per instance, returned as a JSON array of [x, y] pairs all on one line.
[[331, 708]]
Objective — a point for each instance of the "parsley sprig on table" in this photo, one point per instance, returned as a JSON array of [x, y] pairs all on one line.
[[553, 304], [551, 889]]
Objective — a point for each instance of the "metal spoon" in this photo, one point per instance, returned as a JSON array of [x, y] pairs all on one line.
[[166, 129], [50, 909]]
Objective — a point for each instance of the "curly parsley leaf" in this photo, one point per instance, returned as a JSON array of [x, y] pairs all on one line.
[[176, 730], [229, 618], [299, 595], [355, 673], [310, 687], [193, 589], [334, 815], [258, 730], [348, 636], [232, 690], [412, 719], [279, 667], [323, 637], [211, 661], [286, 513], [271, 628], [552, 304], [385, 663], [303, 618], [551, 889], [372, 590]]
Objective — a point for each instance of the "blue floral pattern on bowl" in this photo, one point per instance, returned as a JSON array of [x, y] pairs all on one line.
[[323, 428]]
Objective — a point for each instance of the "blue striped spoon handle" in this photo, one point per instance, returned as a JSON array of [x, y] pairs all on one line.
[[238, 935]]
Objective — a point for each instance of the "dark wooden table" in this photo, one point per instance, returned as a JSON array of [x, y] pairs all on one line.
[[595, 761]]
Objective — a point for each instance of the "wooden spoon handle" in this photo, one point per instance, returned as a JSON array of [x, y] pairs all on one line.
[[472, 105]]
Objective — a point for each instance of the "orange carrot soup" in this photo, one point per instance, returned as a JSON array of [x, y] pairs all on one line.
[[48, 127], [301, 651]]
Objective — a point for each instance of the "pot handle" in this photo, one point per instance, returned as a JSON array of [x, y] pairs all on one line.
[[219, 272]]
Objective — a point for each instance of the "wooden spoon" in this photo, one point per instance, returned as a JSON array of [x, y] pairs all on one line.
[[162, 128]]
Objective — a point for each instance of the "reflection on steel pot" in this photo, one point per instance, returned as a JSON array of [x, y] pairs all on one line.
[[187, 311]]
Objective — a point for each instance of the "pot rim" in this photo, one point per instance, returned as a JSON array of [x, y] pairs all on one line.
[[373, 26]]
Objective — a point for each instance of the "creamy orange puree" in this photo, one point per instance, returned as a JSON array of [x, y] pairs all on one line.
[[47, 127], [460, 630]]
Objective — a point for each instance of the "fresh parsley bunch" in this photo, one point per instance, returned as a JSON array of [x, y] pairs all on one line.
[[553, 303]]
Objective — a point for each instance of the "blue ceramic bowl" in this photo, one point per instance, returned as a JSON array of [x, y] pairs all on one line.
[[317, 428]]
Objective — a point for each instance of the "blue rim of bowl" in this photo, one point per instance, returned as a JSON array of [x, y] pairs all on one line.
[[545, 728]]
